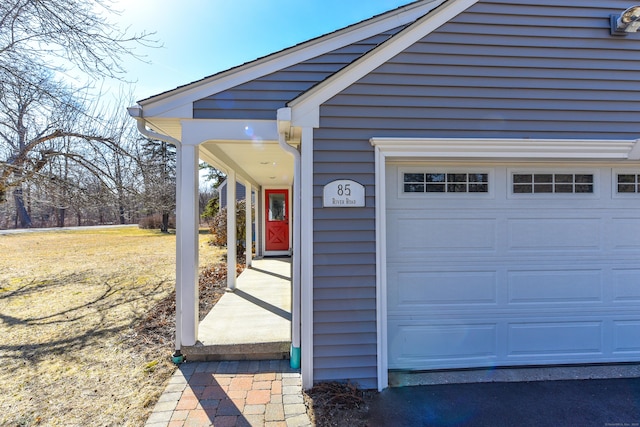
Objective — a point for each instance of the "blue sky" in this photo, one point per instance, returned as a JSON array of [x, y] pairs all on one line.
[[203, 37]]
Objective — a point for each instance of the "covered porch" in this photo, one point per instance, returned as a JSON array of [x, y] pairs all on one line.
[[263, 156], [252, 323]]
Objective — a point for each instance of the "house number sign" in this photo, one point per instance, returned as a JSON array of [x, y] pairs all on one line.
[[343, 193]]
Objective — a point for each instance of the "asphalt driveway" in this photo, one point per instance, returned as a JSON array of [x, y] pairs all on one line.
[[602, 403]]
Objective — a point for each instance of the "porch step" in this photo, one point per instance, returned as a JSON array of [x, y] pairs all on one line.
[[252, 351]]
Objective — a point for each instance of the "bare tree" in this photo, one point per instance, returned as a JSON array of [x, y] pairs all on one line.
[[58, 33], [47, 128], [41, 123]]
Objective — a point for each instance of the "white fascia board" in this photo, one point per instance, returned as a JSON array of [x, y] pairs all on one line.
[[179, 100], [309, 102], [179, 110], [202, 130], [505, 148]]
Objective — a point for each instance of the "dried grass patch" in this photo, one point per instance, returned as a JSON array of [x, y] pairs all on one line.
[[70, 303]]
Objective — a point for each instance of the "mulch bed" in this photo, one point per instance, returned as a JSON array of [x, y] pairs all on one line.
[[157, 328], [334, 404]]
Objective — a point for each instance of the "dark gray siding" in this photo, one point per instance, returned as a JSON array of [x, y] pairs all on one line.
[[527, 69], [261, 98]]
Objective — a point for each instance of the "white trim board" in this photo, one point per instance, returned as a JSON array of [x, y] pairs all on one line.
[[442, 149], [306, 258], [476, 148]]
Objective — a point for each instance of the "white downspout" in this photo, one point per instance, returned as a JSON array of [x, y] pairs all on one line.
[[136, 113], [284, 126]]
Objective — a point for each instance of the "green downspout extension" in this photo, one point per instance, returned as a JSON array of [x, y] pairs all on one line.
[[294, 357]]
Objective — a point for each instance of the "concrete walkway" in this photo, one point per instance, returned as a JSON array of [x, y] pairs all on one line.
[[254, 322], [232, 394]]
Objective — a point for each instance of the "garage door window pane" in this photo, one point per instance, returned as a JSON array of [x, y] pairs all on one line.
[[546, 183], [522, 188], [457, 188], [414, 183], [564, 188], [414, 188], [436, 182], [584, 183], [564, 178], [478, 183], [522, 178], [478, 188], [457, 177], [436, 188], [543, 178], [479, 177], [628, 183], [584, 188]]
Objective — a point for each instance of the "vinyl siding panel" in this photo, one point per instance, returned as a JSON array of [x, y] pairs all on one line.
[[527, 69], [344, 225], [261, 98], [240, 193]]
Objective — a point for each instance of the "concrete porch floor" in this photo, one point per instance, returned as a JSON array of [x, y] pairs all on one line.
[[252, 323]]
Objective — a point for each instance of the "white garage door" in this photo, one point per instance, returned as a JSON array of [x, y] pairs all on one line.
[[512, 264]]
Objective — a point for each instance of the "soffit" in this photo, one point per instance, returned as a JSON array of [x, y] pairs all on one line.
[[263, 162]]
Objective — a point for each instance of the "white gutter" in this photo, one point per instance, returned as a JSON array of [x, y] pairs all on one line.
[[284, 128], [136, 113]]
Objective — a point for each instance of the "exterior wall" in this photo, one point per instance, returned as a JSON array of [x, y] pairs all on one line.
[[535, 69], [261, 98], [240, 193]]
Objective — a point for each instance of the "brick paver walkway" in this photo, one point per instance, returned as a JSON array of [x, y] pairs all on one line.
[[232, 394]]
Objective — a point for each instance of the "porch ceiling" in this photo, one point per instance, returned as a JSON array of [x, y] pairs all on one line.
[[264, 162], [261, 161]]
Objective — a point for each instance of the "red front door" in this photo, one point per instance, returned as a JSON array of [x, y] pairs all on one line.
[[277, 220]]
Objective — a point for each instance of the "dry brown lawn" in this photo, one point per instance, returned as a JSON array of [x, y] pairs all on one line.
[[69, 305]]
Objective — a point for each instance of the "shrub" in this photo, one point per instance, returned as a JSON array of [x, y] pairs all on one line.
[[211, 209], [218, 228]]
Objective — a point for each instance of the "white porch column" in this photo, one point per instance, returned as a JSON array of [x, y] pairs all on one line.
[[306, 257], [257, 214], [187, 244], [247, 213], [231, 230]]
